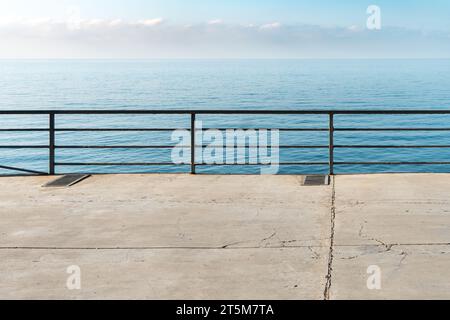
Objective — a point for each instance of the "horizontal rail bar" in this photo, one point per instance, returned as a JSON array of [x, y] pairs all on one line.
[[173, 129], [279, 129], [265, 164], [118, 129], [390, 146], [224, 112], [220, 129], [72, 164], [143, 164], [392, 129], [186, 147], [24, 130], [236, 147], [22, 170], [24, 147], [392, 163], [119, 147]]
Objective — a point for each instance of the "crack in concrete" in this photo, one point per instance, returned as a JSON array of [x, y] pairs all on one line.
[[285, 243], [362, 234], [327, 290], [264, 243], [404, 255], [267, 239], [316, 255], [385, 248], [361, 230], [227, 246], [276, 244], [386, 245], [352, 257]]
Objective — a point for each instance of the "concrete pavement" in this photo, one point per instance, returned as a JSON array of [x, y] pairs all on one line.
[[225, 237], [398, 222]]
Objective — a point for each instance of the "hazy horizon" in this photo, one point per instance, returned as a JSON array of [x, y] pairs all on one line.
[[268, 29]]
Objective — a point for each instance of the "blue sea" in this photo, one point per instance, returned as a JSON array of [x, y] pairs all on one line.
[[226, 84]]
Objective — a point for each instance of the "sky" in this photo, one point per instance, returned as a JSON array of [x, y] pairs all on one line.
[[128, 29]]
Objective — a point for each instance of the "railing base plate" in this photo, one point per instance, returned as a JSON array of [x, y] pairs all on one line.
[[66, 181], [316, 181]]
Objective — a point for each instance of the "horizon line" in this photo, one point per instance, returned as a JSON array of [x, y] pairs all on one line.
[[218, 58]]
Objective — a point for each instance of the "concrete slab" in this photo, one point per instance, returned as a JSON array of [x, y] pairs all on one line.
[[170, 211], [407, 272], [226, 237], [393, 209], [398, 222], [165, 237], [286, 273]]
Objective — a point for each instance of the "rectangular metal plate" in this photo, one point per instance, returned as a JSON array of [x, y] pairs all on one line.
[[66, 181], [316, 181]]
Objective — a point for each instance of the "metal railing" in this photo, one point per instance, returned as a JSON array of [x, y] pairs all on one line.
[[331, 129]]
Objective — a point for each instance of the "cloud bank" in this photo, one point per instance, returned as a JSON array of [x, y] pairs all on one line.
[[158, 38]]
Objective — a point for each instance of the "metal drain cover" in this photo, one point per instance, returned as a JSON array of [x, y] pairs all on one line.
[[316, 181], [66, 181]]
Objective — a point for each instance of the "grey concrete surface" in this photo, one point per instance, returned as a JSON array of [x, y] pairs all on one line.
[[398, 222], [285, 273], [406, 272], [198, 236], [226, 237], [164, 211], [393, 209]]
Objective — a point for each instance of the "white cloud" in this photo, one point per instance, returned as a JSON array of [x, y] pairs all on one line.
[[95, 22], [354, 28], [154, 38], [215, 22], [151, 22], [116, 22], [269, 26]]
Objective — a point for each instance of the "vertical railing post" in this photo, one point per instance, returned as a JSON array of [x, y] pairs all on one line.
[[193, 146], [331, 143], [51, 145]]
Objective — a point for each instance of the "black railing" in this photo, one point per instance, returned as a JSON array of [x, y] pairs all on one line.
[[331, 163]]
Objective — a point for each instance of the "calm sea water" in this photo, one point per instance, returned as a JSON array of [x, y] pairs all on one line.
[[228, 84]]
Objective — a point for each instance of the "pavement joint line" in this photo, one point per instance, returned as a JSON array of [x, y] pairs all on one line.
[[221, 248], [156, 248], [328, 283], [392, 245]]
